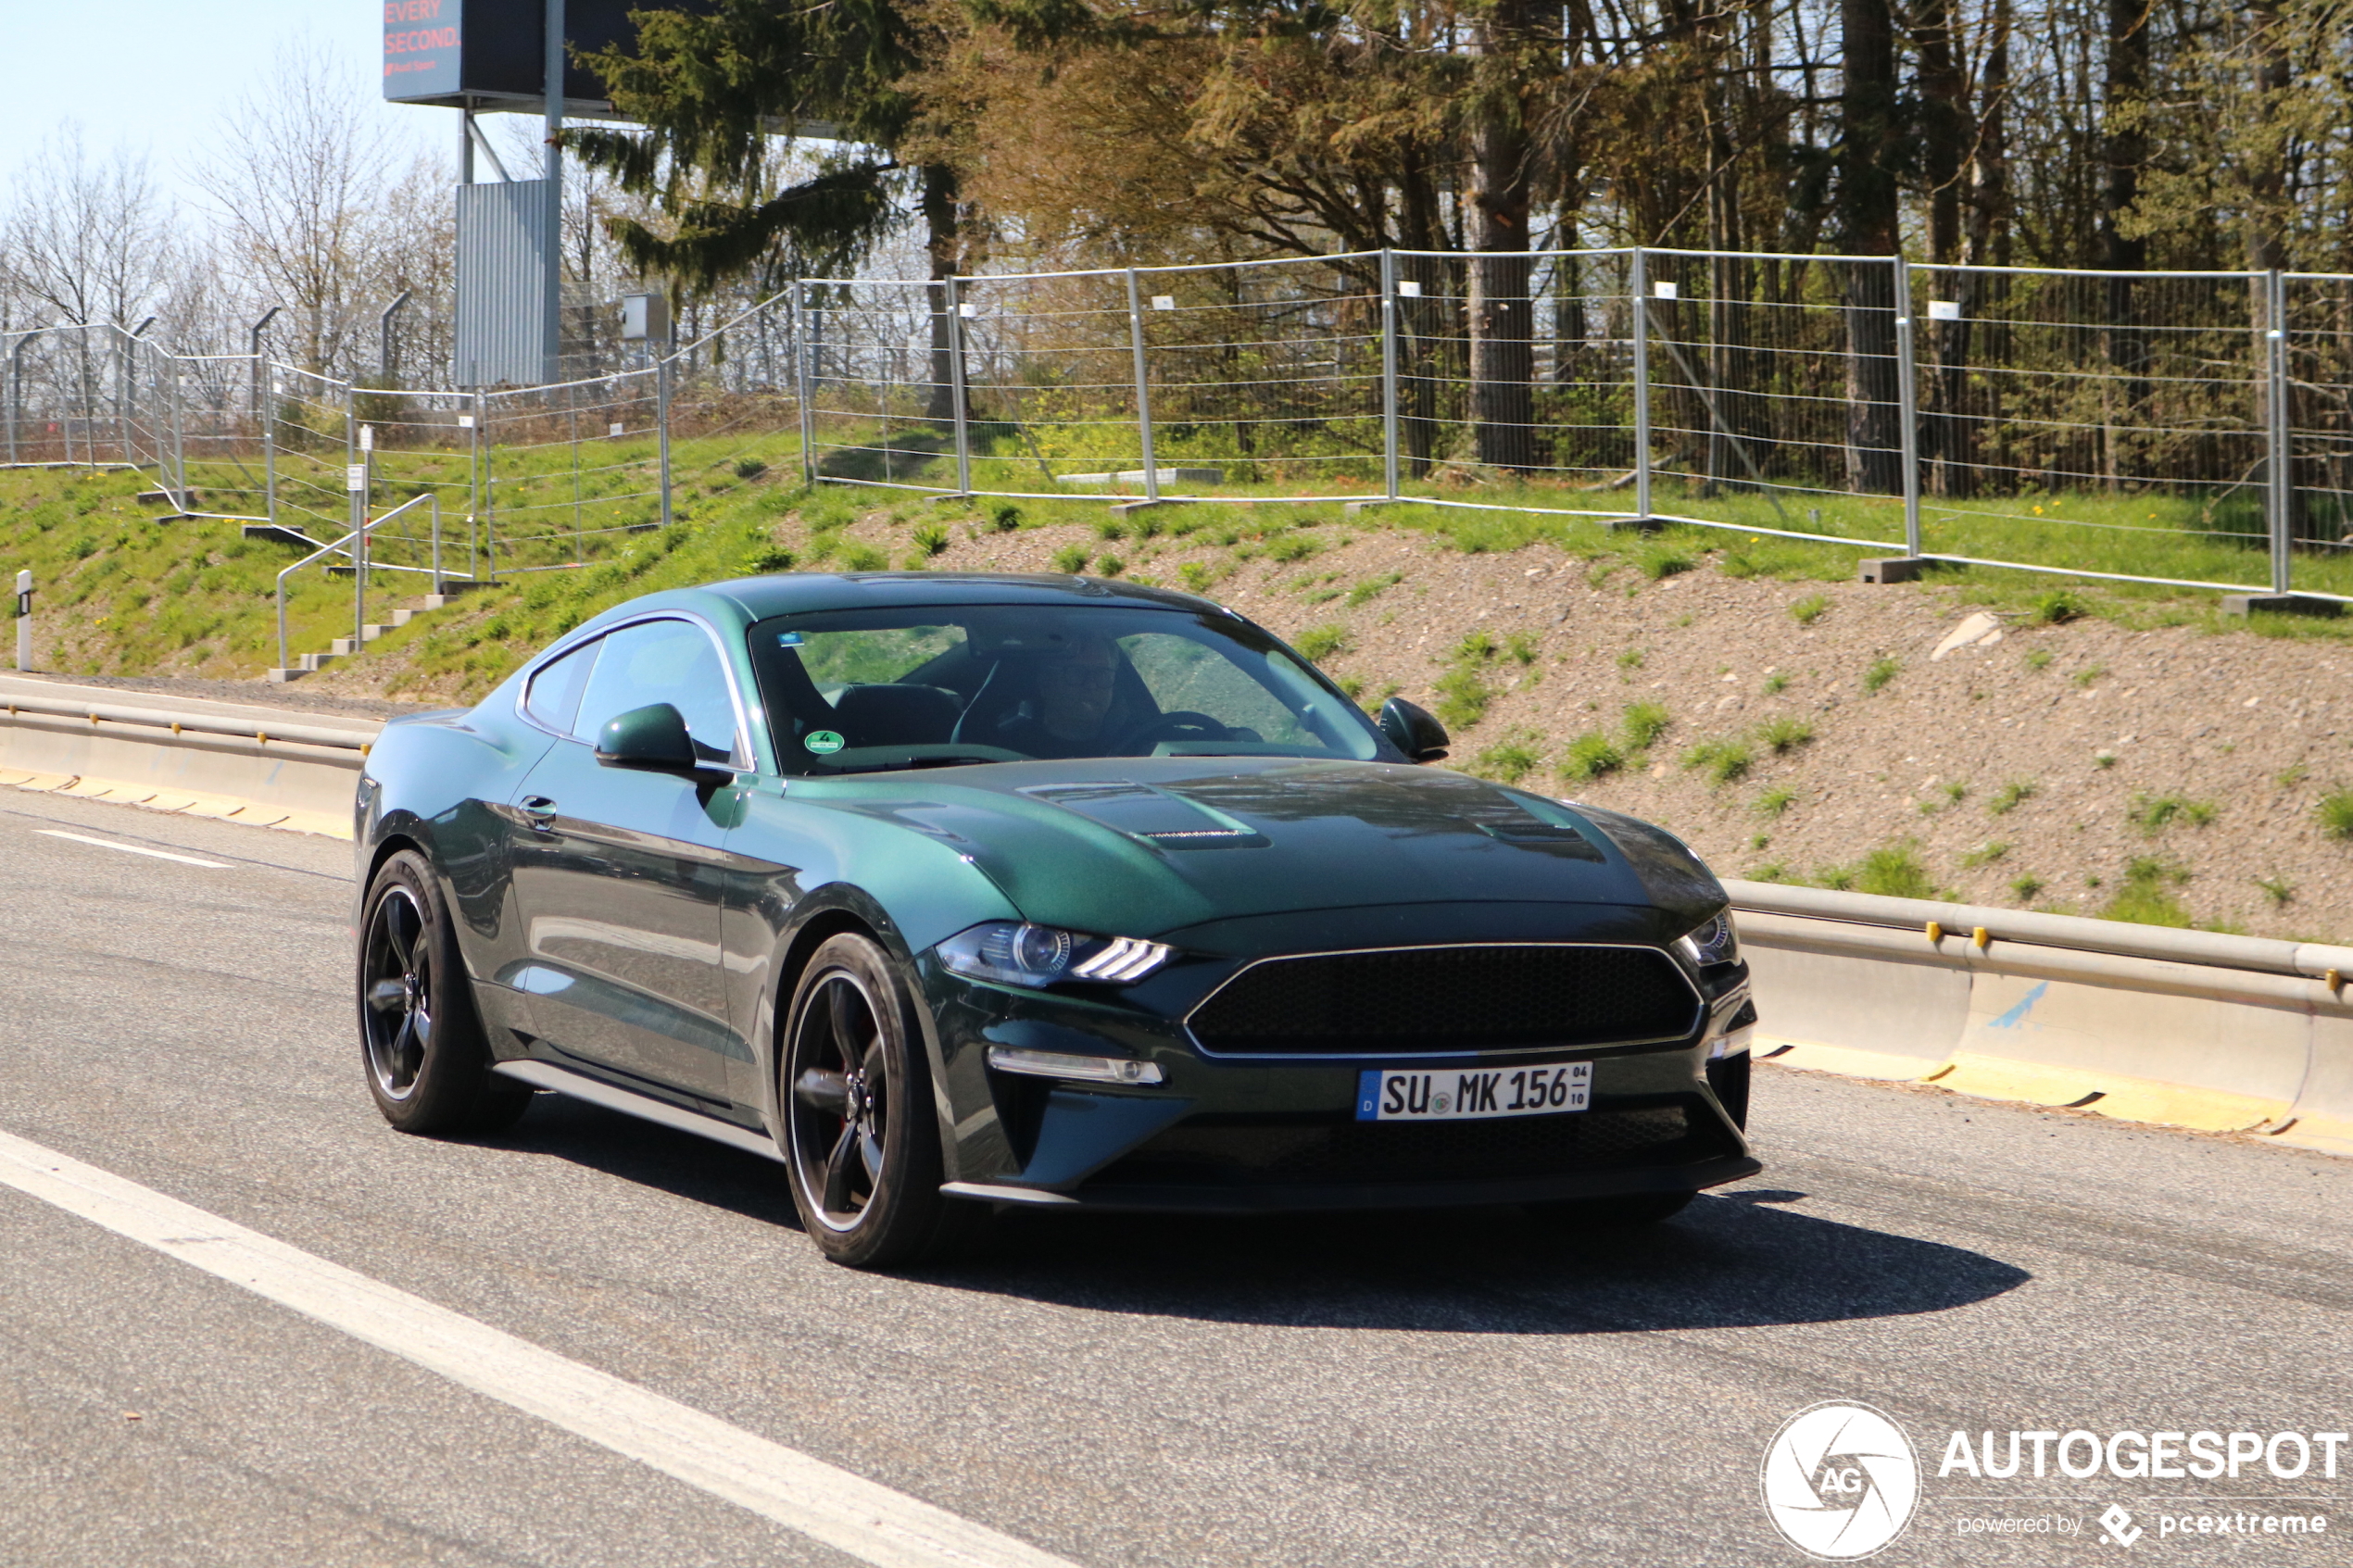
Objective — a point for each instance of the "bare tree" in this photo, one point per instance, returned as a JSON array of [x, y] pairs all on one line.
[[299, 185], [86, 240]]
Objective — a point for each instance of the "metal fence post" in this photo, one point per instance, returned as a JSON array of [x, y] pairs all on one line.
[[661, 422], [1908, 406], [1641, 285], [16, 391], [1143, 398], [179, 444], [1389, 373], [490, 450], [956, 386], [2279, 486], [355, 483], [801, 385]]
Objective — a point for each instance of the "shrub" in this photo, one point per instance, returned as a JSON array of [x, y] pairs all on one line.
[[1590, 756], [1319, 643], [1004, 517], [1198, 577], [864, 558], [1071, 558], [1111, 565], [1110, 528], [932, 538], [2057, 607], [767, 559], [1784, 733], [750, 467], [1644, 722]]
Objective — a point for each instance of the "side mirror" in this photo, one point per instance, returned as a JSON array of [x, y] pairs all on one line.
[[1414, 729], [653, 738]]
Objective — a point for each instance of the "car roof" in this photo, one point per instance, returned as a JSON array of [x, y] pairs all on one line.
[[795, 592]]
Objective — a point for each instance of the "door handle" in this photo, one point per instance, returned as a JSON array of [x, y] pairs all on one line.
[[540, 811]]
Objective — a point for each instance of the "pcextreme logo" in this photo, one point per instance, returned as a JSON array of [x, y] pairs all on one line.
[[1839, 1481]]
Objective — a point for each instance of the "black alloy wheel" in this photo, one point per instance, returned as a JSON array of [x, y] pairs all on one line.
[[428, 1064], [860, 1134]]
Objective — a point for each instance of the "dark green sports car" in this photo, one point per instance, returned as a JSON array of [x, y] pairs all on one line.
[[959, 892]]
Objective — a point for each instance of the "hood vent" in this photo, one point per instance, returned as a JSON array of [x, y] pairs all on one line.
[[1152, 816]]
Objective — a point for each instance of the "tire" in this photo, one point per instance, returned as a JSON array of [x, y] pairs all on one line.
[[861, 1140], [1632, 1211], [420, 1036]]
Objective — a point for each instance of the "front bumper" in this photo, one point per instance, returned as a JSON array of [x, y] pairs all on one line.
[[1226, 1135]]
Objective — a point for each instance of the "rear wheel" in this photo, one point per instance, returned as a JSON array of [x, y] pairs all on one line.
[[862, 1139], [421, 1038]]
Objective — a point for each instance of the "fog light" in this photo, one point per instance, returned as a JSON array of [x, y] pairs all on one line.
[[1059, 1065]]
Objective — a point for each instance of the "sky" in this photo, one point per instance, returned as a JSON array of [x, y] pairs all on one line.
[[156, 75]]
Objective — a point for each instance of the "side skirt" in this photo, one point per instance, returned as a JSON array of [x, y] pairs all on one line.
[[546, 1075]]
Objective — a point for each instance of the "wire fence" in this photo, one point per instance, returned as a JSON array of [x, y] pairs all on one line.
[[2184, 429]]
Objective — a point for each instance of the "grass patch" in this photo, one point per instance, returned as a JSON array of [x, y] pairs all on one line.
[[1642, 723], [1511, 758], [1775, 801], [932, 539], [2025, 887], [1984, 855], [2336, 815], [1775, 684], [1882, 672], [2057, 607], [1808, 610], [2038, 659], [1590, 756], [2280, 891], [1320, 643], [1073, 558], [1784, 733], [2146, 898], [2008, 798], [1721, 761], [1371, 588], [2153, 813]]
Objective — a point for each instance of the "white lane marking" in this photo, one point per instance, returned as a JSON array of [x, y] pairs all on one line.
[[130, 848], [853, 1516]]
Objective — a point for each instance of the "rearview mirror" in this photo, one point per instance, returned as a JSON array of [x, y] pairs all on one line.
[[1414, 729], [653, 737]]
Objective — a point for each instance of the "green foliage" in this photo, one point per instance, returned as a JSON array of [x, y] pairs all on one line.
[[1522, 647], [767, 559], [2085, 677], [864, 558], [2006, 798], [1630, 659], [1643, 723], [1894, 871], [1071, 558], [2335, 814], [1511, 758], [1775, 684], [1464, 697], [1004, 517], [2146, 898], [1320, 643], [1882, 672], [1784, 732], [1110, 528], [1809, 610], [1371, 588], [2153, 813], [1662, 562], [2057, 607], [2278, 889], [1590, 756], [1776, 800], [1721, 761], [750, 467], [1111, 565], [1292, 547], [932, 539], [1984, 855], [2026, 887], [1199, 577], [2038, 659]]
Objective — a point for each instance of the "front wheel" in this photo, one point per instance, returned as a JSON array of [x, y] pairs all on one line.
[[421, 1041], [862, 1139]]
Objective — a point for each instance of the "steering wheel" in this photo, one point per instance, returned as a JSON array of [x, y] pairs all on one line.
[[1180, 723]]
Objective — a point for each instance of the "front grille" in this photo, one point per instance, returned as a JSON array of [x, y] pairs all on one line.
[[1197, 1154], [1426, 1000]]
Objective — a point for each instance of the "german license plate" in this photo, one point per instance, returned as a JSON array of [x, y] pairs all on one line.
[[1472, 1093]]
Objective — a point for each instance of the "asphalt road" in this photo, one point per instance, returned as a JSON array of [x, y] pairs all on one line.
[[1462, 1389]]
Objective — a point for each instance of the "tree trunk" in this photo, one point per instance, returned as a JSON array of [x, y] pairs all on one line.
[[1870, 139], [943, 245], [1502, 318], [2123, 148]]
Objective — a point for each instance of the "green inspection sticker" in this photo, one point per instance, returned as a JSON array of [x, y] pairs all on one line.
[[824, 743]]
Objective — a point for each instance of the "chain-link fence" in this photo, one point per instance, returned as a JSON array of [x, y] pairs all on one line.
[[2190, 428]]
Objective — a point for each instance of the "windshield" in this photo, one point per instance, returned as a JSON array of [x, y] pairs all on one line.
[[855, 691]]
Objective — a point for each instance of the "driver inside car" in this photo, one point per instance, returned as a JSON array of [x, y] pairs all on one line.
[[1073, 710]]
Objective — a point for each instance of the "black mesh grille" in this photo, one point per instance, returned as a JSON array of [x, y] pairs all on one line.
[[1192, 1154], [1421, 999]]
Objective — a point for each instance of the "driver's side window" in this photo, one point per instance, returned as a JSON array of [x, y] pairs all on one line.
[[669, 661], [1181, 674]]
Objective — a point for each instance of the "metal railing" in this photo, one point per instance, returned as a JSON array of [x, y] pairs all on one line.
[[354, 546], [2186, 429]]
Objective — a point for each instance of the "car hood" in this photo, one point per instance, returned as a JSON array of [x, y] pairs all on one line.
[[1144, 845]]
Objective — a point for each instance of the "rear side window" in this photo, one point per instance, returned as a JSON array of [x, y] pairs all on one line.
[[672, 662], [554, 696]]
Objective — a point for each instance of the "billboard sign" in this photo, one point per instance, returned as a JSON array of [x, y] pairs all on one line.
[[488, 54], [421, 49]]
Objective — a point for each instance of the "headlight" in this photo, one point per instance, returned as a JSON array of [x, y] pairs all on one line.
[[1711, 944], [1018, 953]]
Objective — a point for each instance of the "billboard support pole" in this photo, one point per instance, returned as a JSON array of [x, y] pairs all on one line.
[[552, 320]]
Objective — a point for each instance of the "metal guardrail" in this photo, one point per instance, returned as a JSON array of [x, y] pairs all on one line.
[[177, 725]]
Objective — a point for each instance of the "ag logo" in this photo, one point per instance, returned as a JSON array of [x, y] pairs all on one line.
[[1839, 1481]]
